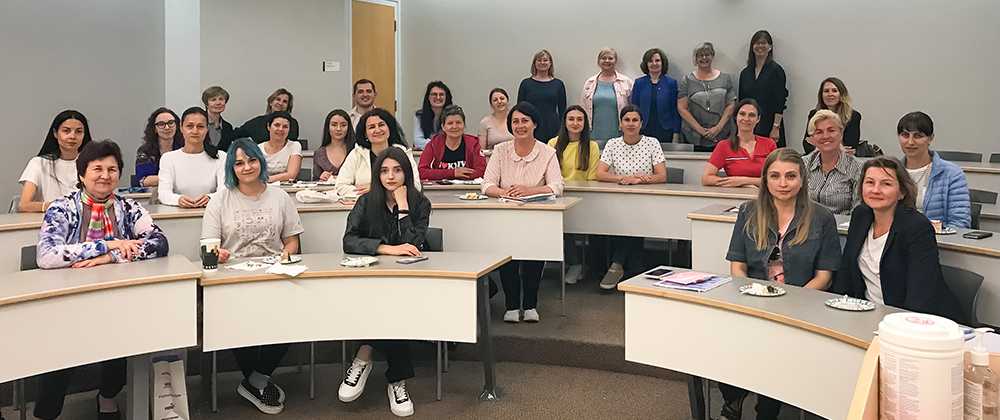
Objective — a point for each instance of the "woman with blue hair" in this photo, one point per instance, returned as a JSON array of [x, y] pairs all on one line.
[[253, 219]]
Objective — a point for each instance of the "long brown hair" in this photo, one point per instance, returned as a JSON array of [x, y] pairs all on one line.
[[844, 108], [583, 159], [765, 214]]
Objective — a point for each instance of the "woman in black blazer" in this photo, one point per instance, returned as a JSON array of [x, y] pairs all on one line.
[[891, 255]]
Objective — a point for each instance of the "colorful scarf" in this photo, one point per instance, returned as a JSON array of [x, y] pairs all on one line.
[[100, 221]]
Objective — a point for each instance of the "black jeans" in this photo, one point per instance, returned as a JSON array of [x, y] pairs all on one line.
[[512, 275], [627, 251], [53, 386], [767, 408], [397, 355], [260, 359]]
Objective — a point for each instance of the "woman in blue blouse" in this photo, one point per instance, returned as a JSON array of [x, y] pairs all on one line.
[[665, 123], [162, 135]]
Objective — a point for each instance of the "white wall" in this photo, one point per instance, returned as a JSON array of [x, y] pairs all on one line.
[[252, 47], [895, 56], [101, 57]]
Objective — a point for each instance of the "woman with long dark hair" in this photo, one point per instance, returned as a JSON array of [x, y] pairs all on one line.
[[379, 132], [427, 120], [162, 135], [191, 174], [391, 219], [764, 81], [338, 141], [52, 173]]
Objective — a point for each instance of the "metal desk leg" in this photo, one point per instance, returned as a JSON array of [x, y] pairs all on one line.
[[696, 397], [215, 383], [562, 285], [21, 400], [312, 370], [138, 387], [491, 392], [446, 357], [439, 371], [343, 357]]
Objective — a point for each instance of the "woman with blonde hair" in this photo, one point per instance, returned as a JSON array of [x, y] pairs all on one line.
[[781, 236], [833, 95], [836, 172], [604, 96], [545, 92]]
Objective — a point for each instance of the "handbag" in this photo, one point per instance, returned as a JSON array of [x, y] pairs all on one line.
[[169, 389], [866, 149]]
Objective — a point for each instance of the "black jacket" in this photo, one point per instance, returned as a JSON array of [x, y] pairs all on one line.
[[256, 129], [227, 135], [910, 271], [361, 237], [770, 92]]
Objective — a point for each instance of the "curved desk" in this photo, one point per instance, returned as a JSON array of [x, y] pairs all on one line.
[[57, 316], [792, 348], [712, 227]]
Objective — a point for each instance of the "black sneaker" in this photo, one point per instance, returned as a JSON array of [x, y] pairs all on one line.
[[266, 401]]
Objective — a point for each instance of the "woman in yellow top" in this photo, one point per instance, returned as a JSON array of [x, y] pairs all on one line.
[[578, 156]]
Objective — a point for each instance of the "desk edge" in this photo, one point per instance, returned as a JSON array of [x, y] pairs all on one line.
[[167, 278]]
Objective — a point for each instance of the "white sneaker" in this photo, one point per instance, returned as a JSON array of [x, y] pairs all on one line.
[[574, 273], [354, 383], [531, 315], [512, 316], [399, 400]]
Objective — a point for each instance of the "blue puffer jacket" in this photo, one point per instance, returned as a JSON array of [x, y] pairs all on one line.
[[947, 195]]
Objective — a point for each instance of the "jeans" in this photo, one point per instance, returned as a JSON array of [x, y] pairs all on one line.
[[397, 355], [767, 408], [627, 251], [518, 275], [53, 386], [260, 359]]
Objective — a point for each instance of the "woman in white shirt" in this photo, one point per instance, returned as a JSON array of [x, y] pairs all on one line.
[[52, 173], [284, 157], [191, 174], [377, 131], [628, 160]]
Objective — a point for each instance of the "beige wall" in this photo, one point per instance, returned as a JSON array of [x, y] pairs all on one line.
[[252, 47], [895, 56]]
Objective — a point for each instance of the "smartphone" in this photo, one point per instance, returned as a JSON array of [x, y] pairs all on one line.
[[657, 272], [977, 234], [411, 260]]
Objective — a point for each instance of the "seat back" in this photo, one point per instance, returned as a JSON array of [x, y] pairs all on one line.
[[434, 240], [13, 204], [133, 181], [960, 156], [964, 284], [995, 158], [982, 196], [304, 143], [28, 257], [675, 176], [305, 174], [676, 147], [977, 209]]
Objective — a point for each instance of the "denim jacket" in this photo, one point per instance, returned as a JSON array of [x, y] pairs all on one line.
[[59, 239], [821, 251]]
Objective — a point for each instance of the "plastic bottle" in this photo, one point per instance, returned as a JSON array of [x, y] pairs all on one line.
[[981, 399]]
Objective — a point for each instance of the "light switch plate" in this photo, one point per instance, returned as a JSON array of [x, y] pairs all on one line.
[[331, 66]]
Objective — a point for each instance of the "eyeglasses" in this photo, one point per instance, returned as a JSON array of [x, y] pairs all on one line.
[[704, 55], [762, 42], [437, 95], [169, 124]]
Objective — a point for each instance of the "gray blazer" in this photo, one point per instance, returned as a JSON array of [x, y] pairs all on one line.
[[821, 251]]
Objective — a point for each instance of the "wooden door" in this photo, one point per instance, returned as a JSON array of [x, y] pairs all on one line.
[[373, 39]]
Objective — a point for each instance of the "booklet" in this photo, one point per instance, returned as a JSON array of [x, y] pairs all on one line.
[[536, 198], [702, 286]]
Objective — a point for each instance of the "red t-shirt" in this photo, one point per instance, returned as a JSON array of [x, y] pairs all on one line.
[[739, 163]]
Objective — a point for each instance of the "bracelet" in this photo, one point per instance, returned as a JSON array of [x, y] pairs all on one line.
[[404, 212], [777, 124]]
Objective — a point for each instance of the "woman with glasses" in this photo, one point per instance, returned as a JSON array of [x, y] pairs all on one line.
[[784, 237], [161, 135], [427, 120], [763, 80], [706, 99]]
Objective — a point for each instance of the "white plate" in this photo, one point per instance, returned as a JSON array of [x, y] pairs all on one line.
[[291, 259], [359, 261], [850, 304], [748, 289], [947, 231]]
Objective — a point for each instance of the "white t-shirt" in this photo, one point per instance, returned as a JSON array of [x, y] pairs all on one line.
[[921, 176], [251, 226], [52, 178], [869, 261], [628, 160], [278, 162], [189, 174]]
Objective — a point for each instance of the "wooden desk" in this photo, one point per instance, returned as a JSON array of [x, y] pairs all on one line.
[[57, 315], [712, 228], [429, 300], [792, 348]]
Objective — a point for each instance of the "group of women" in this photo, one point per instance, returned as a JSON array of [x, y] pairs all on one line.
[[788, 234]]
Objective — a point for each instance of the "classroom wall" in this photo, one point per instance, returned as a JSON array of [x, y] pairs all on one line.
[[895, 56], [101, 57], [252, 47]]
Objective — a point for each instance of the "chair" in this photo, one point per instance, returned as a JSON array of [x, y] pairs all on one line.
[[676, 147], [982, 196], [961, 156], [964, 284], [133, 181], [434, 240], [675, 175], [977, 209], [995, 158], [28, 260], [13, 204], [305, 174], [304, 143]]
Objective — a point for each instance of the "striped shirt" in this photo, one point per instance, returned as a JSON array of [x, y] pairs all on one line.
[[540, 167], [836, 190]]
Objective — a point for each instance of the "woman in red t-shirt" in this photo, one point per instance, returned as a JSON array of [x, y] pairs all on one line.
[[742, 157]]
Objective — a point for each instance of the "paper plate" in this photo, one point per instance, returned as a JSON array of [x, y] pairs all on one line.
[[947, 231], [291, 259], [478, 197], [769, 291], [850, 304], [359, 261]]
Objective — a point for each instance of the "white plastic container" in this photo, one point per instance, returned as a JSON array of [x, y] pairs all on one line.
[[920, 368]]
